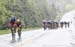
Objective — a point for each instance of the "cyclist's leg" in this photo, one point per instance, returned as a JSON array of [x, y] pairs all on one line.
[[15, 29], [19, 32], [13, 33]]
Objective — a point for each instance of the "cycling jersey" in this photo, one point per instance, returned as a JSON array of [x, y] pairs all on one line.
[[18, 23], [12, 21]]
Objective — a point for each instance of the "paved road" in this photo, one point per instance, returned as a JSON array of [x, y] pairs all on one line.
[[39, 38]]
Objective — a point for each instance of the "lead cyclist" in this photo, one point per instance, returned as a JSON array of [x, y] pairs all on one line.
[[12, 26]]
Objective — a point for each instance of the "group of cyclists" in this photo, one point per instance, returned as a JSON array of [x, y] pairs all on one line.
[[55, 25], [15, 25]]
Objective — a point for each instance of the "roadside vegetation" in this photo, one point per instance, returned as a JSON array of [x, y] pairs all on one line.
[[33, 12], [7, 31]]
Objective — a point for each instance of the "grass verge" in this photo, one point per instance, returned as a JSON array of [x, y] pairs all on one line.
[[8, 30]]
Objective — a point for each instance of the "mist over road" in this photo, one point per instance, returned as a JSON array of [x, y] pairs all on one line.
[[61, 37]]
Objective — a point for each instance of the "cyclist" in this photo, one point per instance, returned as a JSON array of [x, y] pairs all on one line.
[[19, 27], [12, 26], [68, 24], [61, 24], [44, 24]]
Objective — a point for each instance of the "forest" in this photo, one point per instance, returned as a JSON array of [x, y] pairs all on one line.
[[33, 12]]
